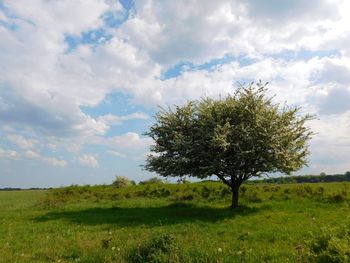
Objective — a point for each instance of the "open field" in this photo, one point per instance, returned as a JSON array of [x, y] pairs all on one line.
[[169, 223]]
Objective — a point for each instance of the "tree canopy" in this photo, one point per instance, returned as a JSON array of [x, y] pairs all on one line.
[[235, 138]]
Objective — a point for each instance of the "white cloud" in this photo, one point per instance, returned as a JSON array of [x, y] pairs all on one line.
[[21, 141], [73, 147], [3, 16], [88, 160], [335, 100], [330, 147], [183, 31], [130, 140], [79, 15], [52, 146], [111, 119], [49, 91], [31, 155], [47, 160], [130, 143], [336, 70], [202, 30], [117, 154], [10, 154]]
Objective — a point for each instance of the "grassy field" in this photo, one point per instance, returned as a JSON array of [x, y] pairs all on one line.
[[171, 223]]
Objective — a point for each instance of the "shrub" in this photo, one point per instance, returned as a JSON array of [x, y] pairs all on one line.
[[287, 191], [253, 197], [153, 180], [274, 189], [132, 182], [184, 197], [319, 190], [300, 191], [51, 201], [308, 189], [205, 193], [243, 190], [226, 192], [266, 188], [164, 192], [330, 245], [158, 249], [121, 182], [336, 198]]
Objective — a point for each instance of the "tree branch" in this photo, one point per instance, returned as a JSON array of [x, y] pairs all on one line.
[[222, 178]]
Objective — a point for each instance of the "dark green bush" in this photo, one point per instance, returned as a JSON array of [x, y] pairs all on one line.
[[308, 189], [153, 180], [185, 197], [275, 188], [243, 190], [319, 191], [253, 197], [287, 191], [266, 188], [300, 191], [336, 198], [158, 249], [205, 193], [226, 192]]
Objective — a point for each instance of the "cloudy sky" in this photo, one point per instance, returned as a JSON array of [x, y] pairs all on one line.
[[80, 80]]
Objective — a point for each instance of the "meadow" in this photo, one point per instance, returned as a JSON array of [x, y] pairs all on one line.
[[177, 223]]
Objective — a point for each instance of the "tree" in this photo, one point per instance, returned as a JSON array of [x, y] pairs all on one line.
[[235, 138]]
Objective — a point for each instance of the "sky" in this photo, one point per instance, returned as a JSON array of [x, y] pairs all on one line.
[[80, 81]]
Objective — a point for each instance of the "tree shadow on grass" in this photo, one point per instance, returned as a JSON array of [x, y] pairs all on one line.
[[175, 213]]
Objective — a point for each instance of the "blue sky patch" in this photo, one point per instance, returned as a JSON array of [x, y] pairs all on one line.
[[181, 67], [92, 37]]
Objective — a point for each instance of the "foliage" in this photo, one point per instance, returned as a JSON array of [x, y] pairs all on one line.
[[202, 191], [331, 245], [153, 180], [122, 181], [235, 138], [158, 249]]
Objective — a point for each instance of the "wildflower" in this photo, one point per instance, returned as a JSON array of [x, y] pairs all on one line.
[[113, 248], [220, 249]]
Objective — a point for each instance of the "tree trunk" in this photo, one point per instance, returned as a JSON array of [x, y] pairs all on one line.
[[235, 191]]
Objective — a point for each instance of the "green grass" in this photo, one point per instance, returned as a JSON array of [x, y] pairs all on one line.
[[104, 224]]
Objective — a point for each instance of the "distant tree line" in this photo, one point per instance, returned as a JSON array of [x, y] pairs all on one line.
[[322, 178], [17, 188]]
